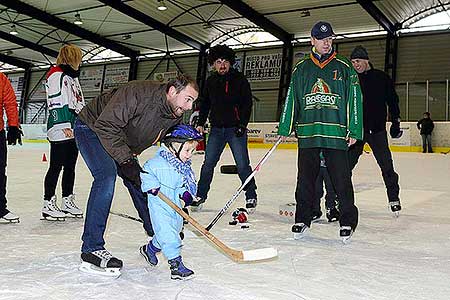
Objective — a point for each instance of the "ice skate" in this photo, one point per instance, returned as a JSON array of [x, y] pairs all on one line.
[[395, 208], [100, 262], [316, 216], [300, 230], [51, 211], [69, 207], [333, 215], [250, 205], [197, 205], [10, 218], [149, 253], [346, 233], [178, 269]]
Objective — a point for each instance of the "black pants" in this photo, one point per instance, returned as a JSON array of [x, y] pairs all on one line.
[[3, 156], [62, 154], [379, 144], [330, 194], [340, 175]]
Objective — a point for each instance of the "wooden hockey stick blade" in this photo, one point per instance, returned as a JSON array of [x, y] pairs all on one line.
[[236, 255]]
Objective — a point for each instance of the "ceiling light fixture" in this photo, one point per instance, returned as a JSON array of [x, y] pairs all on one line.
[[78, 20], [13, 30], [161, 5]]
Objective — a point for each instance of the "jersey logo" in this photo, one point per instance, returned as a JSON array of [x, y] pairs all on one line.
[[321, 96]]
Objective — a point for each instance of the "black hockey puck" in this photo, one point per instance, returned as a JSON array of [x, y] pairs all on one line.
[[245, 226], [232, 222], [228, 169]]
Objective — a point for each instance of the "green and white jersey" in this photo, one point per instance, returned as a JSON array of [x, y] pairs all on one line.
[[65, 100], [323, 104]]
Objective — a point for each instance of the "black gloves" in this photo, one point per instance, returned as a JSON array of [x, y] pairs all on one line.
[[395, 131], [240, 131], [131, 170], [14, 135]]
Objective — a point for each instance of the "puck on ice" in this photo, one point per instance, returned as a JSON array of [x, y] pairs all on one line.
[[245, 226]]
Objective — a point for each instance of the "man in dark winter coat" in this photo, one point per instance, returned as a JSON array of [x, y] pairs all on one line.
[[426, 126], [110, 132], [227, 100], [378, 92]]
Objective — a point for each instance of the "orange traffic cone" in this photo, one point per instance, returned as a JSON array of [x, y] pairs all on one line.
[[44, 158]]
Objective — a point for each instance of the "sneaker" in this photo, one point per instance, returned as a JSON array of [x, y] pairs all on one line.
[[69, 206], [333, 215], [316, 216], [395, 207], [346, 233], [10, 217], [300, 230], [149, 253], [178, 269], [197, 204], [250, 205]]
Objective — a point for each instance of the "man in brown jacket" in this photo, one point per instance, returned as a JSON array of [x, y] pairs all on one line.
[[110, 132]]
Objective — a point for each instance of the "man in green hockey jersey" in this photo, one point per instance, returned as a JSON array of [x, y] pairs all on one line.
[[324, 107]]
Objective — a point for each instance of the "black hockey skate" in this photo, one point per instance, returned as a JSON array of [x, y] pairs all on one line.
[[316, 216], [250, 205], [101, 262], [333, 215], [300, 230], [178, 270], [395, 208], [346, 233], [197, 204]]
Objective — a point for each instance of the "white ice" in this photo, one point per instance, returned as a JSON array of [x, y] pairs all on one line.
[[388, 258]]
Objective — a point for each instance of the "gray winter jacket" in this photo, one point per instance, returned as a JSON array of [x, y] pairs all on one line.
[[130, 119]]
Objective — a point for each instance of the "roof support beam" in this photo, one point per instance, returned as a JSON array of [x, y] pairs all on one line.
[[27, 44], [378, 16], [146, 19], [26, 9], [248, 12], [15, 61]]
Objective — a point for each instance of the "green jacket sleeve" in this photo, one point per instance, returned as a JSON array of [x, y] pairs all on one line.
[[288, 115], [354, 107]]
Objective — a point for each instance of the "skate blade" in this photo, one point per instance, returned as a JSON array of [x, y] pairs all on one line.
[[396, 214], [346, 239], [9, 221], [52, 219], [178, 277], [251, 211], [94, 270], [69, 215], [197, 208]]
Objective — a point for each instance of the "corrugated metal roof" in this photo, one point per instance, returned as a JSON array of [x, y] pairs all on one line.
[[203, 21]]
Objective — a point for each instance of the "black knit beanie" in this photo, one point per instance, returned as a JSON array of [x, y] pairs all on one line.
[[359, 52]]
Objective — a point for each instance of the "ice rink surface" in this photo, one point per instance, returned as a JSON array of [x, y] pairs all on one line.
[[388, 258]]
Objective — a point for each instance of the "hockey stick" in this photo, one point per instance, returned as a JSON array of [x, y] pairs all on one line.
[[241, 188], [236, 255], [126, 216]]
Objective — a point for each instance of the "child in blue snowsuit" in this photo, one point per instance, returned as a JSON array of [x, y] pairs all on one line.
[[170, 173]]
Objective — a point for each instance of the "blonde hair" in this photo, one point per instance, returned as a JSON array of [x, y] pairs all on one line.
[[69, 55]]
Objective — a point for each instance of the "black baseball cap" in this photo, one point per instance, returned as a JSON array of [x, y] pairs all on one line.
[[322, 30]]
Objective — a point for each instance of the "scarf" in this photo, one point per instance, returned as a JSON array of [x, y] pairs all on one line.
[[70, 71], [182, 168]]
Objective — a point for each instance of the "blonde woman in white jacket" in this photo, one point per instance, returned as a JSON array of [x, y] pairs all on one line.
[[65, 100]]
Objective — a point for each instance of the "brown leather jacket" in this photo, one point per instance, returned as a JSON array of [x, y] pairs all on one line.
[[130, 119]]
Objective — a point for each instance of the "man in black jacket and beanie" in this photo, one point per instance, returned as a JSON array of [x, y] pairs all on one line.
[[227, 100], [378, 92]]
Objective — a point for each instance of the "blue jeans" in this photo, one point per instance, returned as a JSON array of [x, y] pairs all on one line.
[[426, 143], [104, 170], [218, 138]]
